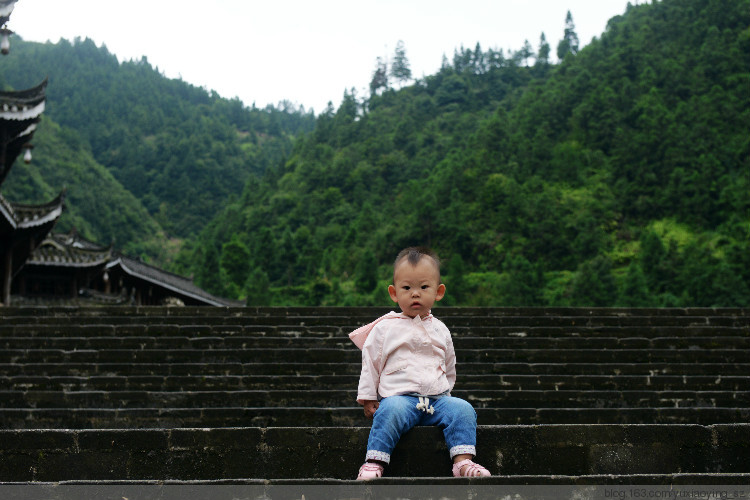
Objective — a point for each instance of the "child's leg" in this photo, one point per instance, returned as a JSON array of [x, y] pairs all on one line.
[[458, 420], [394, 416]]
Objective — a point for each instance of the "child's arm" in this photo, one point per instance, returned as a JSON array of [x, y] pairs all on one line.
[[450, 363], [370, 407], [369, 378]]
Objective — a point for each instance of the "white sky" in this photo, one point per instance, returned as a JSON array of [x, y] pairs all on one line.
[[305, 51]]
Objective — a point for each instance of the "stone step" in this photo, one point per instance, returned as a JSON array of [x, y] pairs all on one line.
[[315, 382], [307, 342], [616, 331], [524, 327], [134, 328], [543, 325], [352, 355], [113, 418], [675, 485], [563, 394], [35, 313], [352, 317], [346, 398], [77, 368], [336, 453]]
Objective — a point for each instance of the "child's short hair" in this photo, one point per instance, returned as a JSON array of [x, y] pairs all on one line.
[[414, 255]]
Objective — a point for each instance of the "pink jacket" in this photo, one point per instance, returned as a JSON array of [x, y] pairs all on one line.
[[402, 355]]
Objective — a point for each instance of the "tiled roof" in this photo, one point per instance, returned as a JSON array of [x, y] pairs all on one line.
[[69, 250], [72, 251], [174, 282], [27, 216]]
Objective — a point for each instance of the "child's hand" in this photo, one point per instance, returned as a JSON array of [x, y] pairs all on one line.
[[370, 407]]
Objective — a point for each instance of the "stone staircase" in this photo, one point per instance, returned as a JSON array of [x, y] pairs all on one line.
[[267, 395]]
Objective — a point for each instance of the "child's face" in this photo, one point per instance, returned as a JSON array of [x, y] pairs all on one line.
[[416, 288]]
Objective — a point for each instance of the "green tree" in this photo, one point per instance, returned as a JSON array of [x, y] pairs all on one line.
[[367, 272], [634, 292], [594, 284], [728, 287], [208, 273], [542, 56], [379, 80], [523, 283], [526, 52], [455, 281], [257, 288], [235, 261], [400, 69], [652, 260], [569, 42]]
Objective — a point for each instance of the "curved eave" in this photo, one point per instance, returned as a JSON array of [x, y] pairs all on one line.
[[49, 212], [26, 97], [39, 220], [35, 221]]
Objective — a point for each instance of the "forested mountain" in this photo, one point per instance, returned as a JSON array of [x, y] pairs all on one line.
[[182, 151], [619, 176]]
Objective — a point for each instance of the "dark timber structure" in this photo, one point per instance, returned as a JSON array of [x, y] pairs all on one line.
[[22, 227]]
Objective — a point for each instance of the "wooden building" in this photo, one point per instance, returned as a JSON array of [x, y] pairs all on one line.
[[58, 269], [68, 269]]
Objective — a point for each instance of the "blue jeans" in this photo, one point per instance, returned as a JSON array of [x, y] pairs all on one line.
[[398, 414]]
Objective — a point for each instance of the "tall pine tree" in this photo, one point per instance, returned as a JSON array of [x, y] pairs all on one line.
[[400, 70], [569, 43]]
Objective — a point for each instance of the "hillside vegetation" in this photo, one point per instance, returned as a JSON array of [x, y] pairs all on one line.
[[96, 204], [616, 177]]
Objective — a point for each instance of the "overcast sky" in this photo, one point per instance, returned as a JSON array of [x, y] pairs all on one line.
[[308, 52]]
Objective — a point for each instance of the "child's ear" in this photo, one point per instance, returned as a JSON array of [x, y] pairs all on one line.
[[440, 292], [392, 293]]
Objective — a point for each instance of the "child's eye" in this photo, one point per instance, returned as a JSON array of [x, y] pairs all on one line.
[[406, 287], [425, 287]]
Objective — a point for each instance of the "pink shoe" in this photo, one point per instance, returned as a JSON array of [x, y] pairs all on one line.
[[370, 470], [472, 469]]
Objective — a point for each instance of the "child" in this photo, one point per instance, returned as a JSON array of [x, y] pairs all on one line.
[[409, 368]]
